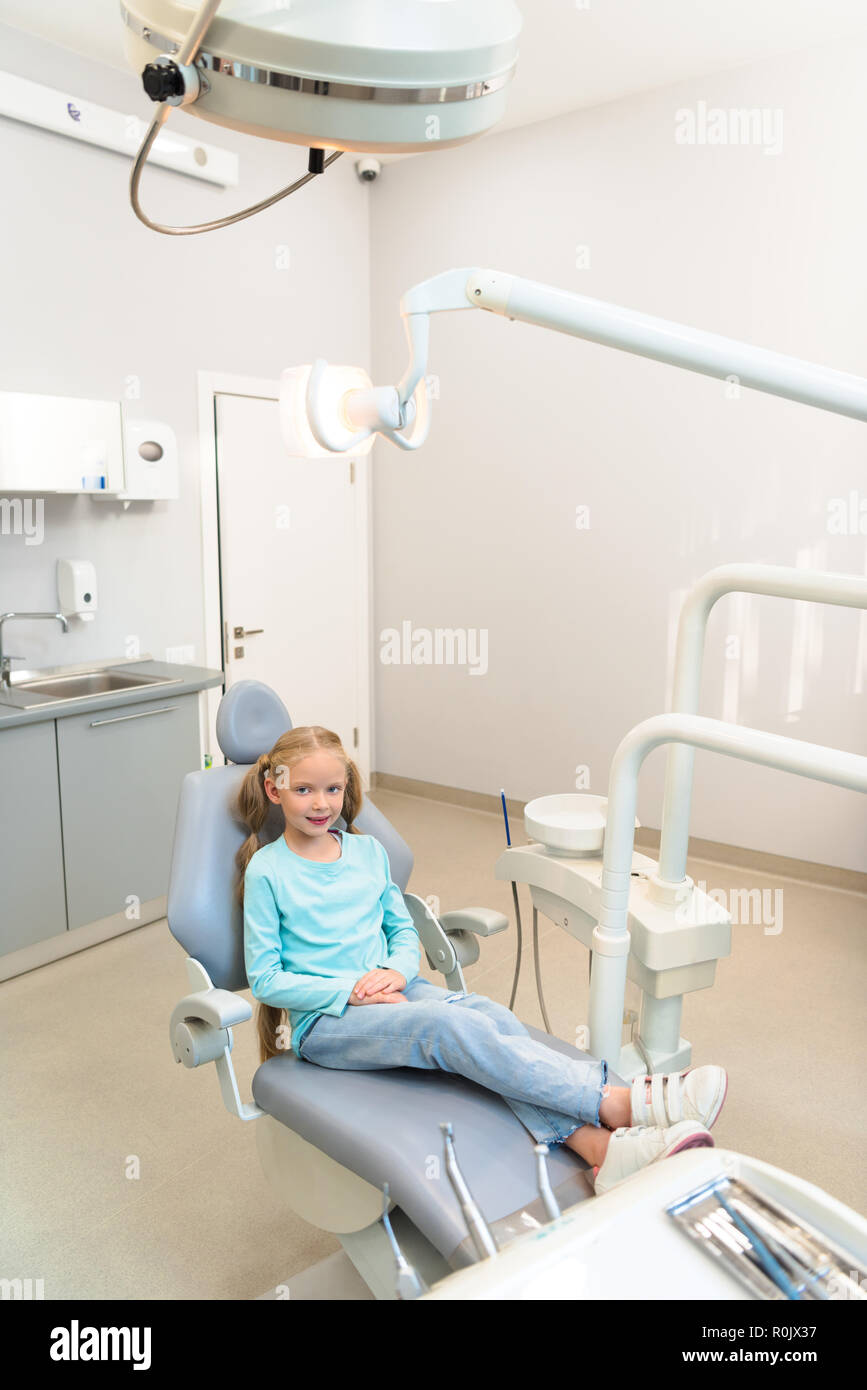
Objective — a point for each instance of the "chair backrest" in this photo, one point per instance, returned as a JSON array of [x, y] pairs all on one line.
[[203, 911]]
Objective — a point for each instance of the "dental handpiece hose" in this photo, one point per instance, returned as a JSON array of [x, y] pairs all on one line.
[[477, 1226], [515, 902], [408, 1282], [546, 1192]]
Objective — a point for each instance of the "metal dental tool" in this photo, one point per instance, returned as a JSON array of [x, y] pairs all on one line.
[[771, 1250], [408, 1282], [476, 1223], [546, 1192]]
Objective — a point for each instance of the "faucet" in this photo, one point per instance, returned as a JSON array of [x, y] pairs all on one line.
[[5, 670]]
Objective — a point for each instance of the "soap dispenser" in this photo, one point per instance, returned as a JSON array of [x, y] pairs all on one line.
[[76, 589]]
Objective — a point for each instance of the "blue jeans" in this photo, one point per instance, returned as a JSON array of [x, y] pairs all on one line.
[[551, 1095]]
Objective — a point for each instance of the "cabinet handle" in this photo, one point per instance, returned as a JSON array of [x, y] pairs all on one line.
[[95, 723]]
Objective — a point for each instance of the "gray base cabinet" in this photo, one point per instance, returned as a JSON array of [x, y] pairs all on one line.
[[120, 777], [32, 900]]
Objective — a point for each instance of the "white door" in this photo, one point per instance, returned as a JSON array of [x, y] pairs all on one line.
[[291, 537]]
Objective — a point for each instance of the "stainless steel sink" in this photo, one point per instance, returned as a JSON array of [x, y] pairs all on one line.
[[89, 683], [28, 694]]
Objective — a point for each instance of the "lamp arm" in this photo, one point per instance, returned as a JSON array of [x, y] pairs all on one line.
[[440, 293], [662, 340], [665, 341], [676, 344]]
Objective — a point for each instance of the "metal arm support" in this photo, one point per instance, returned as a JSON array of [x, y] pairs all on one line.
[[200, 1032], [195, 83], [448, 941]]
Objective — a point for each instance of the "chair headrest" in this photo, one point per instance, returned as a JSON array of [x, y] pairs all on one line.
[[250, 719]]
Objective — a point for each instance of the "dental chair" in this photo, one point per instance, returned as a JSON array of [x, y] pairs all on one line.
[[329, 1140]]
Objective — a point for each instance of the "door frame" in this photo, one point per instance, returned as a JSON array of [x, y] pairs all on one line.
[[210, 385]]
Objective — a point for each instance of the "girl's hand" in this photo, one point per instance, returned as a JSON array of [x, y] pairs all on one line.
[[380, 981], [392, 997]]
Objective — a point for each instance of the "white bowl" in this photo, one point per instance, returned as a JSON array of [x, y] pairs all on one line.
[[571, 823]]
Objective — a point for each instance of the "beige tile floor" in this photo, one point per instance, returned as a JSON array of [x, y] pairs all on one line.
[[123, 1176]]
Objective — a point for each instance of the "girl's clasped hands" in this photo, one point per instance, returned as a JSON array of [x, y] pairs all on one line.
[[379, 987]]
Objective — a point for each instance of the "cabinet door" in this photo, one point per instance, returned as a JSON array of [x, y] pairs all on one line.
[[59, 443], [32, 902], [120, 778]]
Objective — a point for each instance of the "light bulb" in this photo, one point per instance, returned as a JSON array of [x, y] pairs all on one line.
[[334, 383]]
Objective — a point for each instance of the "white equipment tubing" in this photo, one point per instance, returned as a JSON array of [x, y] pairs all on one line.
[[611, 934], [846, 590]]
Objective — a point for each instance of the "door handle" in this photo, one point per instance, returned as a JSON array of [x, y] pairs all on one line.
[[240, 632]]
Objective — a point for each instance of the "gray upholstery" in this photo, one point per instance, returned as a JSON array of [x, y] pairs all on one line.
[[383, 1125], [250, 720]]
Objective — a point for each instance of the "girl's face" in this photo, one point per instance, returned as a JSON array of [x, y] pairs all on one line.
[[310, 793]]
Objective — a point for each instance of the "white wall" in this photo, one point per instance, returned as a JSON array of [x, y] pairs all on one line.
[[91, 297], [477, 530]]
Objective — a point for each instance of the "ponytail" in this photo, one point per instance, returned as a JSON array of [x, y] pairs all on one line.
[[253, 807]]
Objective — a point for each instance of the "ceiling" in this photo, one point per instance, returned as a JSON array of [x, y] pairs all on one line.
[[573, 53]]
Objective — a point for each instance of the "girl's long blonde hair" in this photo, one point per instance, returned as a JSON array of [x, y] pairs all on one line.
[[254, 806]]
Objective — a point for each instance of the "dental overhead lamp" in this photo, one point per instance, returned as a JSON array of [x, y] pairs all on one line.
[[376, 76], [404, 76]]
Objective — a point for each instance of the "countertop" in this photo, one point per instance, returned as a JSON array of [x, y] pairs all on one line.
[[185, 679]]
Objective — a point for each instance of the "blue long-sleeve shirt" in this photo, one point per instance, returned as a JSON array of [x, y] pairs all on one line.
[[311, 930]]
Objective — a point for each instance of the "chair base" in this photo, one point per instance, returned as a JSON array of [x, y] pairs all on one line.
[[331, 1197], [313, 1185], [364, 1269], [332, 1280]]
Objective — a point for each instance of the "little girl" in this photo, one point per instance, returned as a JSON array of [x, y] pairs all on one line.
[[327, 937]]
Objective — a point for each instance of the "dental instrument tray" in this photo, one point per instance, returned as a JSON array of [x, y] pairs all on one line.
[[773, 1252]]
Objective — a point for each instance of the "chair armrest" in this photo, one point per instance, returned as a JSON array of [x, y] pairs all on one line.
[[201, 1031], [219, 1007], [481, 921], [200, 1027]]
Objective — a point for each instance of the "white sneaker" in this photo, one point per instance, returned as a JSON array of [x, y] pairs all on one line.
[[632, 1149], [697, 1094]]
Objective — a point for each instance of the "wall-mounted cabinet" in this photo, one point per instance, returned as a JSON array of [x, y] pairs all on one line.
[[63, 444], [59, 444]]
